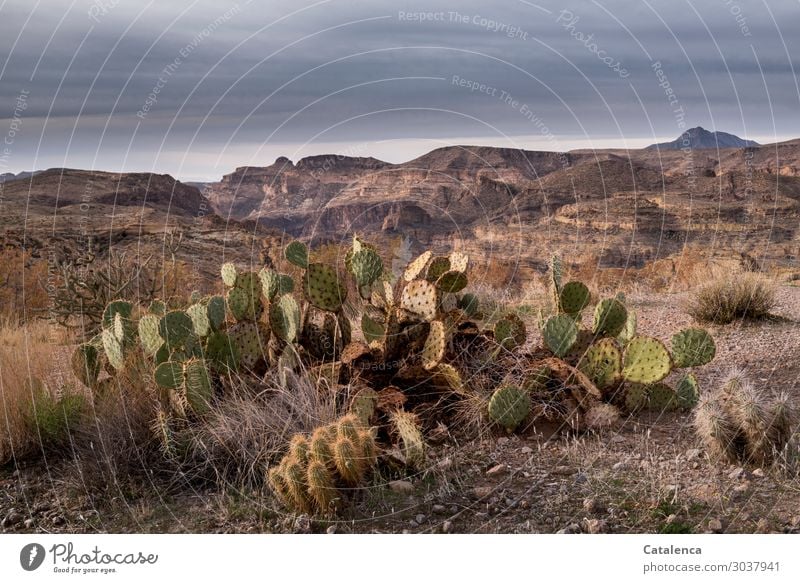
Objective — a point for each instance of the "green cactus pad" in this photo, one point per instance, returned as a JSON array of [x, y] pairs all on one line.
[[296, 253], [447, 375], [149, 337], [437, 267], [509, 406], [220, 352], [269, 282], [417, 266], [629, 330], [215, 309], [121, 307], [372, 330], [406, 426], [284, 318], [229, 274], [459, 261], [118, 328], [113, 349], [162, 354], [635, 397], [646, 360], [609, 318], [169, 375], [198, 385], [175, 327], [688, 392], [510, 332], [433, 350], [452, 282], [602, 363], [420, 297], [200, 321], [322, 288], [157, 307], [364, 404], [366, 265], [560, 333], [661, 397], [692, 347], [574, 297], [250, 342], [469, 304], [86, 364], [244, 304], [536, 381]]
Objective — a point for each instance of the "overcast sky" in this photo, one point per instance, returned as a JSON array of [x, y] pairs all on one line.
[[241, 83]]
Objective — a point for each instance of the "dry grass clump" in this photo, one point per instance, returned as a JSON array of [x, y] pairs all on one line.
[[38, 403], [114, 438], [743, 424], [733, 296], [252, 425]]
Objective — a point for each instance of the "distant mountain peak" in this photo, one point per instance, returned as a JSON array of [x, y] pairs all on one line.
[[700, 138]]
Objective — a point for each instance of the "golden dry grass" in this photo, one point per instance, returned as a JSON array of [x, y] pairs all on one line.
[[733, 295], [33, 379]]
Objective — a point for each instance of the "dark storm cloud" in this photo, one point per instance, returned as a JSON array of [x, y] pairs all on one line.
[[197, 88]]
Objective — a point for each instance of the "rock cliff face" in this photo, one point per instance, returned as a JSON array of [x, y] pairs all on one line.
[[622, 206]]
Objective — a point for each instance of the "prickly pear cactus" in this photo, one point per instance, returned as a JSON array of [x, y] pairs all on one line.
[[86, 364], [459, 261], [296, 253], [602, 363], [366, 266], [113, 349], [452, 282], [574, 297], [636, 397], [198, 385], [229, 274], [446, 375], [433, 350], [169, 375], [200, 321], [646, 361], [661, 397], [509, 406], [692, 347], [407, 427], [322, 288], [117, 307], [610, 316], [560, 333], [420, 297], [469, 304], [284, 318], [436, 268], [416, 267], [629, 330], [175, 328], [510, 332], [688, 392], [364, 404], [250, 341], [148, 334]]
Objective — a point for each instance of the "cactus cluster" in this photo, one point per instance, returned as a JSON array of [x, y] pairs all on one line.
[[317, 472], [596, 372], [741, 423]]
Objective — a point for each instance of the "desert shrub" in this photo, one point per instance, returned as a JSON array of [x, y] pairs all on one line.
[[30, 375], [742, 423], [53, 415], [734, 296], [251, 426], [23, 280], [116, 434]]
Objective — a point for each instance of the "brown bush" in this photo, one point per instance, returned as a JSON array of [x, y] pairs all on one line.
[[733, 296]]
